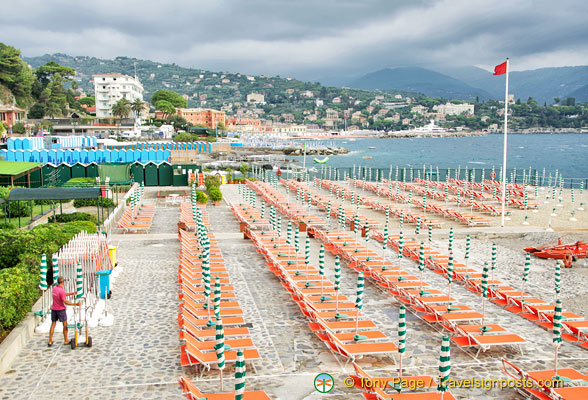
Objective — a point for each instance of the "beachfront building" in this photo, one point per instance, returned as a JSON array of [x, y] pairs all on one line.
[[202, 116], [11, 114], [243, 124], [454, 109], [110, 88]]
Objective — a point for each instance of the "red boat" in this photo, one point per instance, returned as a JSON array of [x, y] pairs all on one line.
[[568, 252]]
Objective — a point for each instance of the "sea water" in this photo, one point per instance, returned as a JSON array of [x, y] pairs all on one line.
[[567, 153]]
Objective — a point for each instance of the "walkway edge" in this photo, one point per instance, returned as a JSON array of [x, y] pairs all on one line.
[[18, 338]]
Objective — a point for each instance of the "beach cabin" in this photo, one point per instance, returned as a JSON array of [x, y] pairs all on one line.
[[92, 170], [165, 174], [151, 174], [138, 172], [78, 170]]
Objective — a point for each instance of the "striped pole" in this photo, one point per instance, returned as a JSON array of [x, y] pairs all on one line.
[[240, 376], [400, 248], [220, 348], [467, 249], [526, 273], [79, 282], [449, 277], [450, 247], [444, 365], [421, 266], [359, 299], [557, 279], [493, 259], [401, 336], [385, 244], [322, 267], [484, 294], [307, 256], [217, 296], [329, 210], [430, 233], [557, 341], [337, 285], [418, 226]]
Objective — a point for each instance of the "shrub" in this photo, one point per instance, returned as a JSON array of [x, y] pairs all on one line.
[[80, 182], [18, 291], [215, 194], [201, 197], [77, 216], [7, 226], [211, 181], [102, 201], [75, 227]]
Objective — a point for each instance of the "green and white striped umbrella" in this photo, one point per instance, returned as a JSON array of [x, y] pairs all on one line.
[[421, 265], [217, 296], [484, 294], [262, 211], [367, 231], [322, 266], [387, 215], [450, 248], [240, 376], [410, 196], [220, 344], [337, 284], [402, 331], [401, 218], [527, 269], [359, 293], [493, 264], [329, 210], [444, 365], [296, 241], [558, 278], [279, 226], [467, 248], [356, 225], [79, 282], [400, 246], [418, 226], [557, 317], [385, 244], [43, 270], [289, 234], [430, 232], [55, 265]]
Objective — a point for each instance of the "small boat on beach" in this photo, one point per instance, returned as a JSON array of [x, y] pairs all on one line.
[[568, 252]]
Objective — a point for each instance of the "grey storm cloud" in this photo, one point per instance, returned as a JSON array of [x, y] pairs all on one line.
[[306, 38]]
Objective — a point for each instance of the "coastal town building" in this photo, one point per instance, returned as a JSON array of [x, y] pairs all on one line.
[[11, 114], [199, 116], [255, 98], [454, 109], [110, 88]]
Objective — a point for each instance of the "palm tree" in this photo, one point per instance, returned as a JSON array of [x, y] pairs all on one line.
[[121, 108], [137, 107]]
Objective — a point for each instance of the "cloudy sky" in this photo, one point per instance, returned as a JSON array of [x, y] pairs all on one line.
[[308, 39]]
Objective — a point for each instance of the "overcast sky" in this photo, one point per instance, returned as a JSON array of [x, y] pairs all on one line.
[[307, 39]]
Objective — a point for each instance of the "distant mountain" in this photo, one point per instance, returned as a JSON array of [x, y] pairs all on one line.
[[541, 84], [416, 79], [581, 94]]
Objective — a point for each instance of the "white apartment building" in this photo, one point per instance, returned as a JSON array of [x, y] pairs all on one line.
[[110, 88], [455, 109]]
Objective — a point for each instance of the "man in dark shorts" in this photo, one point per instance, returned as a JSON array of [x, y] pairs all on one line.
[[58, 311]]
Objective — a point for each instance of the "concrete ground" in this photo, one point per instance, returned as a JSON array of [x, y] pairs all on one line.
[[139, 356]]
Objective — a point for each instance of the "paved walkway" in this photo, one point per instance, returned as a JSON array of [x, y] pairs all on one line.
[[138, 357]]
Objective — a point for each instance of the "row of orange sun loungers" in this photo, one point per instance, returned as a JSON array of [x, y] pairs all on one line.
[[186, 216], [249, 216], [433, 305], [322, 202], [531, 308], [299, 215], [374, 203], [193, 393], [384, 388], [549, 384], [139, 219], [447, 212], [196, 317], [332, 316]]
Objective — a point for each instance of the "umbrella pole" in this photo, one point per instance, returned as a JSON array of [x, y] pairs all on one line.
[[221, 380], [357, 322], [483, 313], [555, 361]]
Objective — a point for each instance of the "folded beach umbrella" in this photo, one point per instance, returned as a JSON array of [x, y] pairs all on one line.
[[444, 365], [450, 248], [240, 376], [289, 234], [557, 340], [467, 249], [279, 226], [356, 225], [43, 271], [220, 348], [55, 265], [307, 256], [557, 279], [337, 286], [526, 272], [484, 294], [493, 265], [401, 218], [400, 247], [322, 269], [418, 226], [262, 211], [421, 265], [217, 296], [329, 210], [385, 244], [79, 282], [359, 298], [430, 232], [449, 274]]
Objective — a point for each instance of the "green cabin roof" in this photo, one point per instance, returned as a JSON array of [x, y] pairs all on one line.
[[15, 168]]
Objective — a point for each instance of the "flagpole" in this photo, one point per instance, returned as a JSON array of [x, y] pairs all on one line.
[[503, 200]]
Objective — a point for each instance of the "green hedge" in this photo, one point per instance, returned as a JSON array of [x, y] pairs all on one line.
[[15, 209], [20, 259], [77, 216], [103, 202], [215, 194]]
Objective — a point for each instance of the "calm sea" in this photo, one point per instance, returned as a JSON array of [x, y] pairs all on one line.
[[567, 153]]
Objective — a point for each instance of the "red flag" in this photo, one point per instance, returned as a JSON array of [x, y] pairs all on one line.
[[500, 69]]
